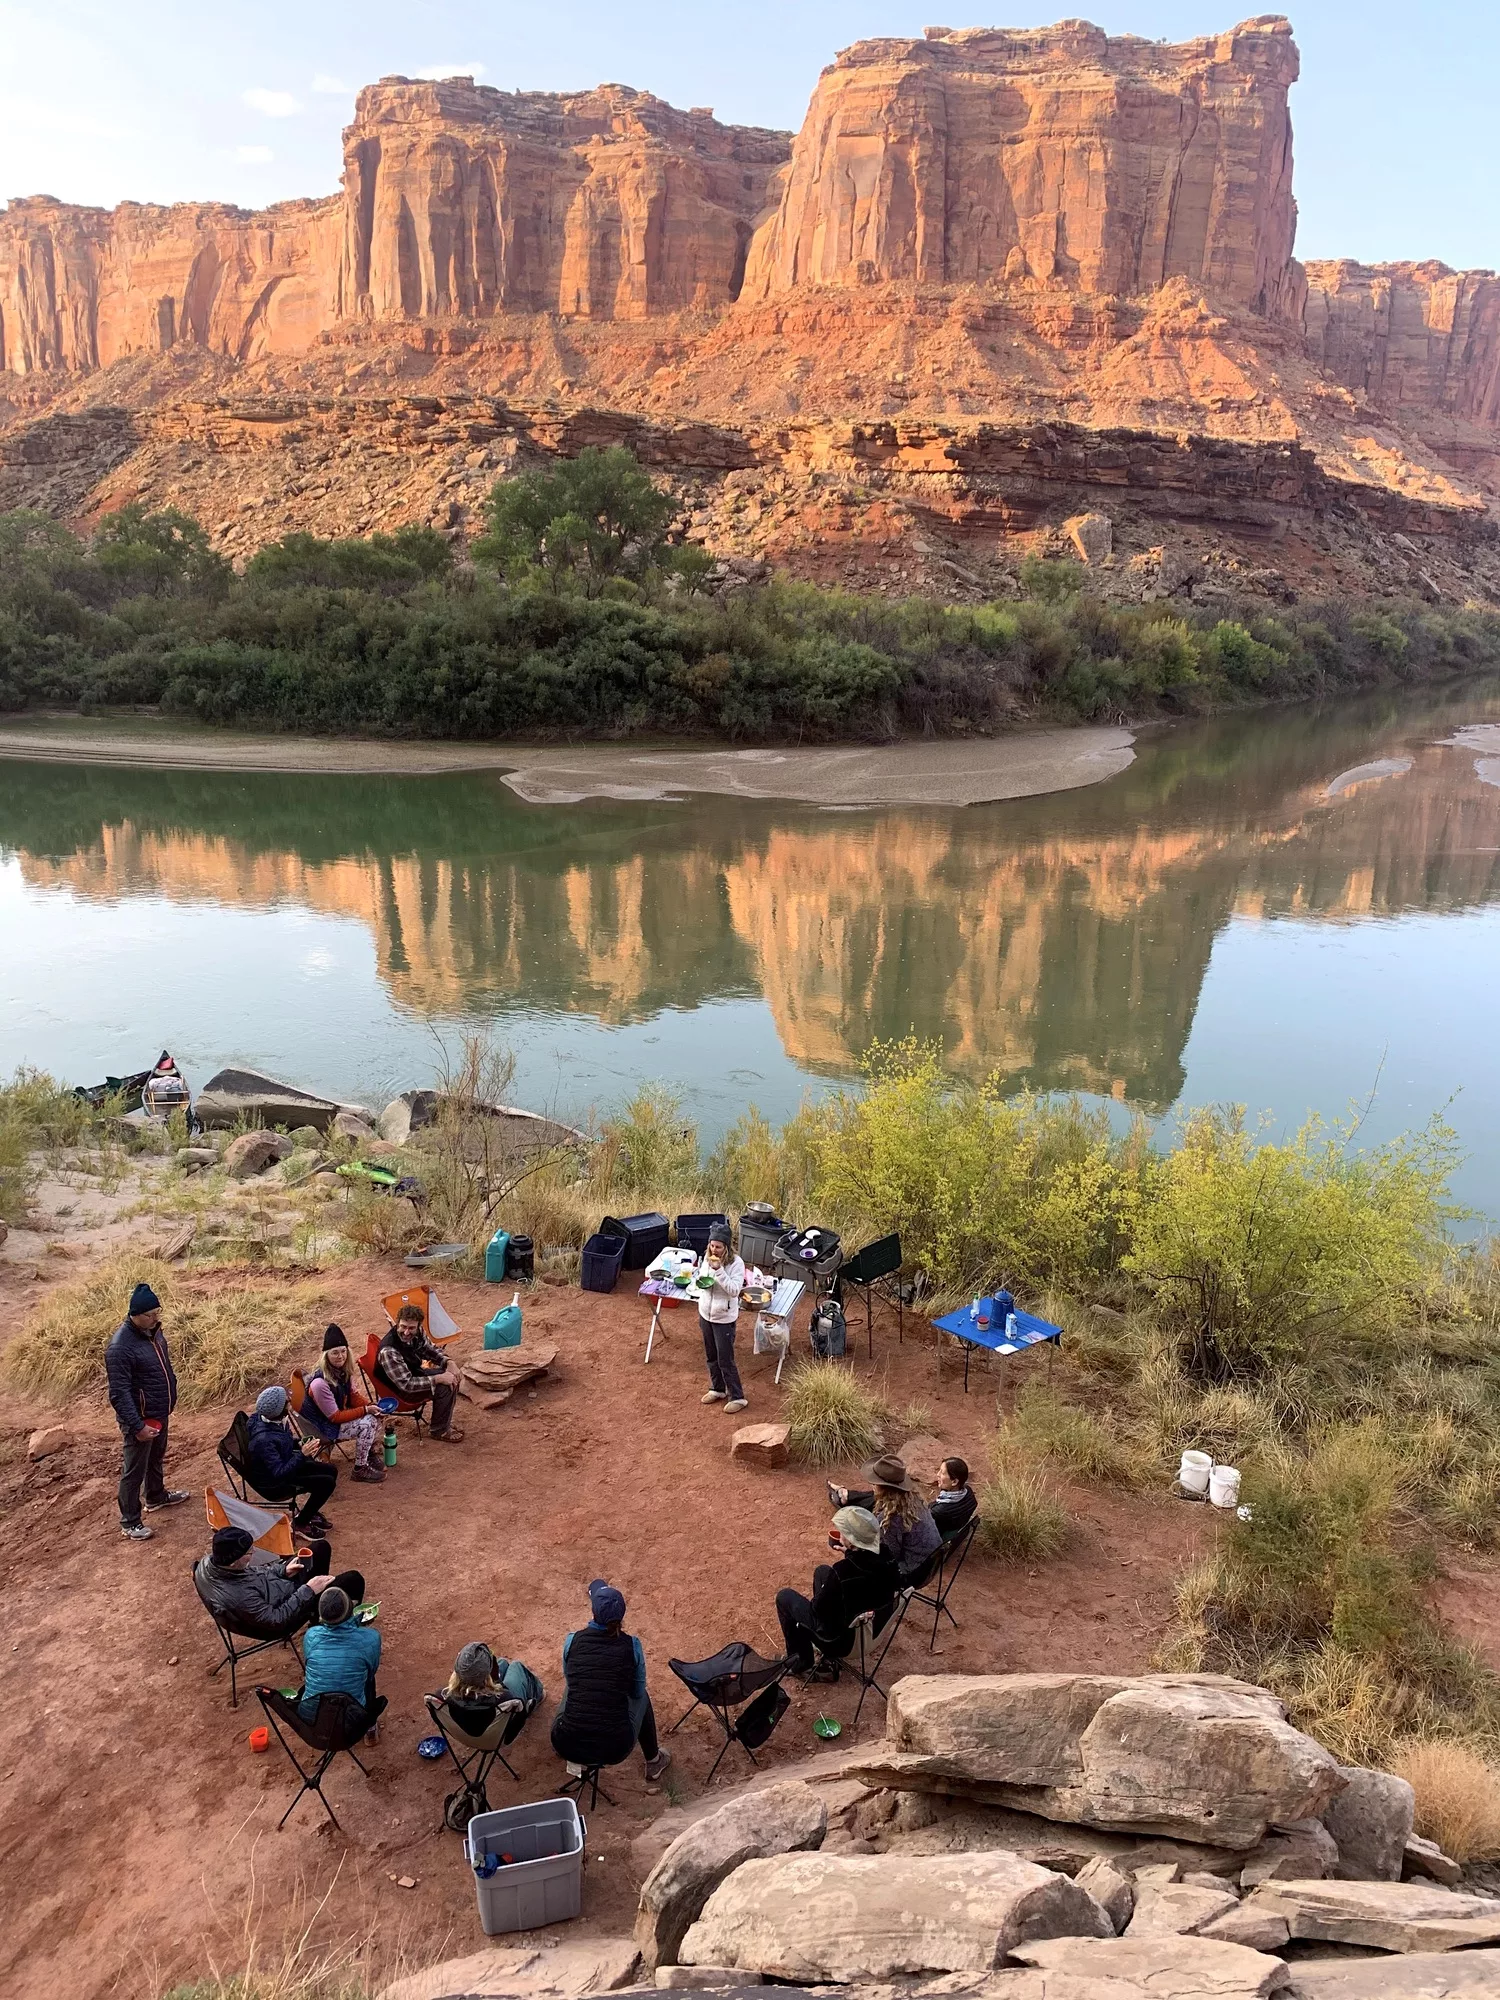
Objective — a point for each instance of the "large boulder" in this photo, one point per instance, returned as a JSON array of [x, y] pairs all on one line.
[[1158, 1968], [1176, 1909], [1385, 1916], [253, 1152], [571, 1970], [1197, 1757], [819, 1917], [782, 1819], [1425, 1860], [525, 1131], [1370, 1821], [236, 1094], [1459, 1975]]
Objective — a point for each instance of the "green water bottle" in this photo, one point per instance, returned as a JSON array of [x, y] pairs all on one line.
[[390, 1445]]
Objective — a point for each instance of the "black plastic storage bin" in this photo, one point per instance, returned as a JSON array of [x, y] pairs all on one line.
[[645, 1237], [603, 1257], [693, 1231], [520, 1259]]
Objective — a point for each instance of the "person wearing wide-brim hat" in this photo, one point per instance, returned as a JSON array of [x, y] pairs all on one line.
[[907, 1529]]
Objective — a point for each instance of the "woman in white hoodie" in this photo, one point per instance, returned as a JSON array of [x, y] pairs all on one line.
[[718, 1308]]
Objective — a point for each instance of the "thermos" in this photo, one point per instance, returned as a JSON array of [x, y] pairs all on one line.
[[390, 1444]]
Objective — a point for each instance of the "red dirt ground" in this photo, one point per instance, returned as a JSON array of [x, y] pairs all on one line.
[[137, 1830]]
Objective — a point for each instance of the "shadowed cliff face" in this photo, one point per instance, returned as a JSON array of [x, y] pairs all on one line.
[[1061, 944]]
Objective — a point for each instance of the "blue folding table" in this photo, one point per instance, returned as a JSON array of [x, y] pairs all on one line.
[[1030, 1332]]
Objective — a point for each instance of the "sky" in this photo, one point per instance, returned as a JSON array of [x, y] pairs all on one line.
[[173, 100]]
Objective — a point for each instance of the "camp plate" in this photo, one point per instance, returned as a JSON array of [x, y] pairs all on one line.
[[431, 1747]]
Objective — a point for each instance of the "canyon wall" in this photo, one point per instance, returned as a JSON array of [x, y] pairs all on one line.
[[1109, 163], [1415, 337]]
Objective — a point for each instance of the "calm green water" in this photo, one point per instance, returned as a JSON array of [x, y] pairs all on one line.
[[1274, 910]]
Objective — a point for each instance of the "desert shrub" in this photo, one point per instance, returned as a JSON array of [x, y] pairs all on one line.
[[227, 1336], [1458, 1797], [36, 1115], [1021, 1518], [832, 1418]]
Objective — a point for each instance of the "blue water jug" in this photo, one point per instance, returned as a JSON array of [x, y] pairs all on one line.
[[494, 1257], [504, 1330]]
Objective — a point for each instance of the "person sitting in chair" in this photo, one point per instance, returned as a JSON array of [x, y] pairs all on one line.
[[340, 1657], [955, 1506], [271, 1598], [480, 1681], [863, 1579], [335, 1410], [907, 1529], [279, 1468], [606, 1710], [418, 1372]]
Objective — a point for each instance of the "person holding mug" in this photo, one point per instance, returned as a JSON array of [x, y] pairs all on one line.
[[721, 1279]]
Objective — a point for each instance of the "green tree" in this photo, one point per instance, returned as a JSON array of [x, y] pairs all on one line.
[[159, 555], [583, 522], [387, 563]]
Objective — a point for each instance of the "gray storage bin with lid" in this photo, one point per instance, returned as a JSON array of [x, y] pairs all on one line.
[[544, 1883], [760, 1229]]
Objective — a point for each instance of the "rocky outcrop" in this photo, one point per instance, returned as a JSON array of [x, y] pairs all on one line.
[[780, 1819], [235, 1095], [1371, 1821], [1384, 1916], [1469, 1975], [1108, 164], [1193, 1756], [817, 1917], [1415, 338], [1155, 1969]]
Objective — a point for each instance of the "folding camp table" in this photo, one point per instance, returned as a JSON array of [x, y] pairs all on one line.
[[785, 1294], [1030, 1332]]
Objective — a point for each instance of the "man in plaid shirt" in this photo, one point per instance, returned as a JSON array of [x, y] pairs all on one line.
[[419, 1372]]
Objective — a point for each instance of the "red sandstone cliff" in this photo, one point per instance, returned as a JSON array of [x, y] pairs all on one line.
[[1111, 164]]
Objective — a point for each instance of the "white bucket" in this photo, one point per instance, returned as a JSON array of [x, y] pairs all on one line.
[[1224, 1486], [1194, 1471]]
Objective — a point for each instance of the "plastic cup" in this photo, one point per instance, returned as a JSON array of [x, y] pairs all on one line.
[[260, 1739]]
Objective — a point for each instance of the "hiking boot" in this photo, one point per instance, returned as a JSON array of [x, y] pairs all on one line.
[[368, 1475], [735, 1404], [172, 1498], [825, 1670], [450, 1436], [137, 1531], [656, 1765], [717, 1396], [317, 1524]]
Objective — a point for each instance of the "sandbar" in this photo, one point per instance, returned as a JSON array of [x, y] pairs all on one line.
[[918, 772]]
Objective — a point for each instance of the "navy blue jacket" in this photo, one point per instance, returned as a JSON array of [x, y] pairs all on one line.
[[142, 1387], [274, 1453]]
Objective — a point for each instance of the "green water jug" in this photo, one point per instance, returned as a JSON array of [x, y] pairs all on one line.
[[494, 1257], [390, 1448], [504, 1330]]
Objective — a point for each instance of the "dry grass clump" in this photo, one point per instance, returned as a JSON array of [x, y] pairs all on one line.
[[831, 1417], [1458, 1797], [1082, 1442], [1021, 1518], [227, 1334]]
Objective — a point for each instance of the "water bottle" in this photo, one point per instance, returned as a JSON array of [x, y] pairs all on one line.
[[974, 1308], [1010, 1326], [390, 1445]]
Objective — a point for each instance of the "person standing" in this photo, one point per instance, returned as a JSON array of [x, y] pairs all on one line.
[[718, 1308], [143, 1395]]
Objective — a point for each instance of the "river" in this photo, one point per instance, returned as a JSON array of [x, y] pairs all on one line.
[[1288, 909]]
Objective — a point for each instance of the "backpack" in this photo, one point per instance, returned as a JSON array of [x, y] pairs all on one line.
[[829, 1331]]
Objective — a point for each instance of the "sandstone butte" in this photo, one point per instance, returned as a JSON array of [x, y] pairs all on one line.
[[988, 251]]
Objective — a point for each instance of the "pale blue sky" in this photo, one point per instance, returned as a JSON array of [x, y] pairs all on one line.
[[169, 101]]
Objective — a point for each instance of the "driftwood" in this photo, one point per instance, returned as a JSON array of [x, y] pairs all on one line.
[[493, 1377]]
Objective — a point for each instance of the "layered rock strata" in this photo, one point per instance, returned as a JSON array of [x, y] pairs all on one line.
[[1109, 163]]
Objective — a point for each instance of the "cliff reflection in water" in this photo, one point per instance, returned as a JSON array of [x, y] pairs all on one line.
[[1062, 941]]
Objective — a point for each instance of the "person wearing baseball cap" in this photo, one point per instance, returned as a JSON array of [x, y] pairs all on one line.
[[143, 1395], [864, 1578], [261, 1596], [606, 1710]]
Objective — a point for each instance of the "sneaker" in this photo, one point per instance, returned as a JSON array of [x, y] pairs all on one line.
[[318, 1524], [656, 1765], [173, 1498], [137, 1531], [735, 1405], [449, 1436], [717, 1396], [368, 1475], [825, 1670]]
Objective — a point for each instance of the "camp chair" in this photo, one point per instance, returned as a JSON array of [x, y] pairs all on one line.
[[234, 1453], [270, 1528], [871, 1661], [439, 1322], [587, 1780], [296, 1402], [483, 1749], [378, 1386], [720, 1684], [229, 1633], [338, 1723], [866, 1268], [942, 1574]]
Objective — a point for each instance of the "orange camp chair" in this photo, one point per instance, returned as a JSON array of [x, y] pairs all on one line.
[[273, 1538]]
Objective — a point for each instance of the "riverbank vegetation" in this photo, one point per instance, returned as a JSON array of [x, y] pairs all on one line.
[[581, 615]]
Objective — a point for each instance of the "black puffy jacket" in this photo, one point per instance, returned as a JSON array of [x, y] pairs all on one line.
[[142, 1386], [259, 1602]]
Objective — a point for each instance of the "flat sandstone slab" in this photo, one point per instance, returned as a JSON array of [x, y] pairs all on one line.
[[1386, 1916]]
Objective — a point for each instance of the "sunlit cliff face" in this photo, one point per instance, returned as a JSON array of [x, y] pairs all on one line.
[[1068, 959]]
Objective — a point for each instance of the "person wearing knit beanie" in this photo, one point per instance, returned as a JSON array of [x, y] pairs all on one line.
[[340, 1656], [143, 1395], [271, 1403], [279, 1469], [336, 1410]]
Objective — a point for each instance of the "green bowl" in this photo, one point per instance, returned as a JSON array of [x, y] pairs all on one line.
[[827, 1728]]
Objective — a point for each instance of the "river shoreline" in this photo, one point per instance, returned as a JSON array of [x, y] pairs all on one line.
[[922, 771]]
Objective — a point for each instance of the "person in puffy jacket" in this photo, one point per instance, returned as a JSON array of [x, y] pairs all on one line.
[[263, 1597], [143, 1395], [278, 1467]]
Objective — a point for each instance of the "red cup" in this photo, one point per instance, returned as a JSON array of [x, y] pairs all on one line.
[[260, 1739]]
